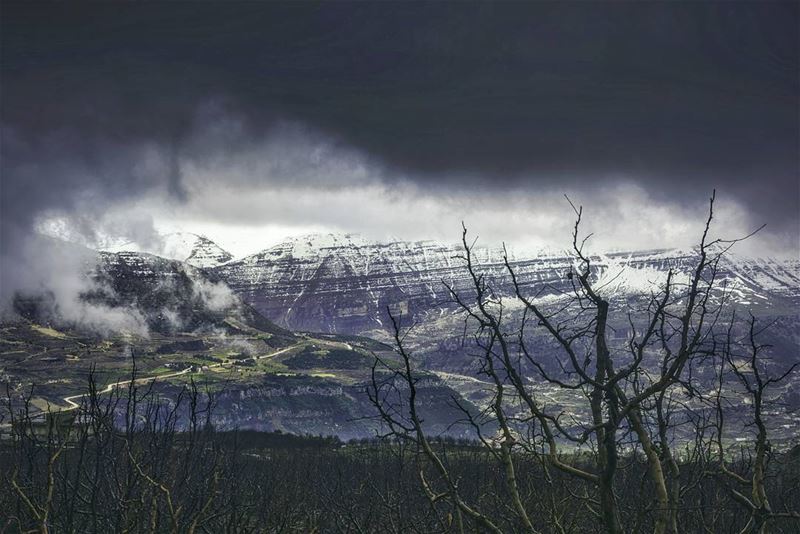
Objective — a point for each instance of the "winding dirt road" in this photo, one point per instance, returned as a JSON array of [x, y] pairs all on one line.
[[73, 401]]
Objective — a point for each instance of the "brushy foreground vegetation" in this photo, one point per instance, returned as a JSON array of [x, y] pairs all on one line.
[[130, 462]]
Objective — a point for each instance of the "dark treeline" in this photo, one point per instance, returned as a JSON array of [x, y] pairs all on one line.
[[125, 463]]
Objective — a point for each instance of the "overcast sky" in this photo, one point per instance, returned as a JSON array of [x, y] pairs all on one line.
[[249, 122]]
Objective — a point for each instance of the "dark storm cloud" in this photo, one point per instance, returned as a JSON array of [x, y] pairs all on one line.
[[678, 97]]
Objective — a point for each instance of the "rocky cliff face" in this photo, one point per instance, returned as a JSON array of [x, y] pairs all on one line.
[[308, 405], [305, 405], [344, 284]]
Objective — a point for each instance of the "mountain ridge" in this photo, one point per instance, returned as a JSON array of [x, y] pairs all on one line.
[[345, 284]]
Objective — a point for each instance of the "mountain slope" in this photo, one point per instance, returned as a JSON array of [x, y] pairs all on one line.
[[344, 284], [139, 293], [172, 296]]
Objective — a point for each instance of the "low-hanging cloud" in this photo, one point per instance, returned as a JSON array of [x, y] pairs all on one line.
[[296, 177], [388, 120], [54, 277]]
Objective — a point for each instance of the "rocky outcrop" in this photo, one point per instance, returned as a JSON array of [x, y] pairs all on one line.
[[318, 406]]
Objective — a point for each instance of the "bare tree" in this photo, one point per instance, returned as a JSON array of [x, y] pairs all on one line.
[[630, 390], [394, 394], [744, 359]]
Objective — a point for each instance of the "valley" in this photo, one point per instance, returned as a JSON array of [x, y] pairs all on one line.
[[286, 339]]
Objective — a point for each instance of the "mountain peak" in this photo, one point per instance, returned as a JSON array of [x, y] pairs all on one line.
[[195, 249]]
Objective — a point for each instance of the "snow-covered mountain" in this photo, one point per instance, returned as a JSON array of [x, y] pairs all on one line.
[[194, 249], [202, 252], [344, 283]]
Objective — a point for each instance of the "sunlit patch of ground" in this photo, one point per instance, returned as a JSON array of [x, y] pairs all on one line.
[[47, 331]]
